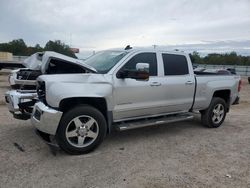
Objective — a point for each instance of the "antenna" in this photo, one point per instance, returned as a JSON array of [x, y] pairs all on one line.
[[70, 39], [128, 47]]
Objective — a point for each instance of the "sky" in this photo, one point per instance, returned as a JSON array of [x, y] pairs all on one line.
[[92, 25]]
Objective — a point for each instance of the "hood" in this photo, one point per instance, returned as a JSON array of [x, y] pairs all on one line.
[[40, 61], [76, 78], [34, 61]]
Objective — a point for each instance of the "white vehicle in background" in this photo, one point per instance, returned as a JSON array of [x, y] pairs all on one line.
[[215, 71]]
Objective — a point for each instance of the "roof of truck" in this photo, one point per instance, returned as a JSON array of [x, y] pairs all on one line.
[[150, 50]]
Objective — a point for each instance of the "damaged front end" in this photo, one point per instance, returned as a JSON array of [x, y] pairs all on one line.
[[20, 103], [24, 79], [24, 95]]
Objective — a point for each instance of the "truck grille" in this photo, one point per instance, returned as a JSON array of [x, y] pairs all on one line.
[[28, 74]]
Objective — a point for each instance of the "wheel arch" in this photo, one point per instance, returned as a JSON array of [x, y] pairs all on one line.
[[225, 95], [96, 102]]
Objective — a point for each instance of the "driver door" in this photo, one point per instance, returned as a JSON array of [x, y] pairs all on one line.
[[135, 98]]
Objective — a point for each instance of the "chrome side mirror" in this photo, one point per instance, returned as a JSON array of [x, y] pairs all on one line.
[[142, 67]]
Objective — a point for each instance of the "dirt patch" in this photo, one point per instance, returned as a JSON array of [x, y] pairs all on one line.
[[2, 102], [4, 73]]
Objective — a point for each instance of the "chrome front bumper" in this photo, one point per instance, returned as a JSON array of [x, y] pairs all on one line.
[[13, 98], [45, 119]]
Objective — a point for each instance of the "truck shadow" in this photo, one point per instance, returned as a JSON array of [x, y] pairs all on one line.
[[154, 133], [117, 140]]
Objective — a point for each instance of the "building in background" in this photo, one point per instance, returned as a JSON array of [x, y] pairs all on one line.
[[74, 50], [6, 56]]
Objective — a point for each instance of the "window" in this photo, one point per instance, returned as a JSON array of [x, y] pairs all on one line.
[[175, 64], [106, 60], [149, 58]]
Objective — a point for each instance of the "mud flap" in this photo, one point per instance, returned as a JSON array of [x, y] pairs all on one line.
[[50, 141]]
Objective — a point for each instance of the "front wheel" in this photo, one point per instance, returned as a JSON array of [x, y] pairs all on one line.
[[81, 130], [215, 114]]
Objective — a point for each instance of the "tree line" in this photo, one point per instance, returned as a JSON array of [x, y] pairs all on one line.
[[231, 58], [19, 48]]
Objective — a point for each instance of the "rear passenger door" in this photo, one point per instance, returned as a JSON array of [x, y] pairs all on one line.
[[178, 83]]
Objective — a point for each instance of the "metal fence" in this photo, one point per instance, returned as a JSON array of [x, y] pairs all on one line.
[[19, 58], [240, 70]]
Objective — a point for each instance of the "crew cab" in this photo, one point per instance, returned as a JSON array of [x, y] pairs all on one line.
[[21, 99], [128, 89]]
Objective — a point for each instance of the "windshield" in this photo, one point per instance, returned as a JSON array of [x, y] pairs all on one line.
[[104, 61]]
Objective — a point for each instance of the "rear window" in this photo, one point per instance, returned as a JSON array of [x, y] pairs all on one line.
[[175, 64]]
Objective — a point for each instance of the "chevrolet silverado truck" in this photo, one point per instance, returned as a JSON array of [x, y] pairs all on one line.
[[21, 99], [128, 89]]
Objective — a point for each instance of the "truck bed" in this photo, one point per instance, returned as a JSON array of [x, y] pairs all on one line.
[[207, 84]]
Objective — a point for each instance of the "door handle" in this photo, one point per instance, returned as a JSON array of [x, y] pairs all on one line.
[[189, 83], [155, 84]]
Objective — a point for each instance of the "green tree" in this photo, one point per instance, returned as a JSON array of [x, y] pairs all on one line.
[[196, 58], [58, 46], [18, 47]]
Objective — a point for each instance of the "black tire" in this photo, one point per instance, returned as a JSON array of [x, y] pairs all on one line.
[[208, 114], [68, 121]]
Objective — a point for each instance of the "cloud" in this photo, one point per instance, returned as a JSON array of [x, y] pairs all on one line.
[[95, 25], [241, 47]]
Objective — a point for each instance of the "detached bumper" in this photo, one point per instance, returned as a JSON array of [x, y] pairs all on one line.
[[13, 98], [19, 103], [45, 119]]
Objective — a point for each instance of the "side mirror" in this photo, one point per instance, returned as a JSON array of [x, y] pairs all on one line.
[[141, 72], [142, 67]]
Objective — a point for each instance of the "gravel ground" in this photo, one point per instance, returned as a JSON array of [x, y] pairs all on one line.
[[183, 154]]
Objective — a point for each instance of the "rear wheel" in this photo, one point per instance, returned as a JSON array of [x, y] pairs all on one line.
[[215, 114], [81, 130]]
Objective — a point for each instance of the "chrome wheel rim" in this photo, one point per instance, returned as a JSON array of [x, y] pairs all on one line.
[[82, 131], [218, 113]]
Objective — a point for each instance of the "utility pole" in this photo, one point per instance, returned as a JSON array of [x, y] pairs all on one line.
[[154, 46]]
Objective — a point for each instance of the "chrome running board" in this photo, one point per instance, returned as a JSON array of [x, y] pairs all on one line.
[[122, 126]]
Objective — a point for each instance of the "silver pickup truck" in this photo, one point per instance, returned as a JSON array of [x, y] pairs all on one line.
[[127, 89]]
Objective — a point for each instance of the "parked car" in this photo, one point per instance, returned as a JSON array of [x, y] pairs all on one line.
[[232, 70], [212, 71], [217, 71], [21, 99], [129, 89]]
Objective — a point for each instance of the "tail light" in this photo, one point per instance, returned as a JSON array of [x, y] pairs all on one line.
[[239, 86]]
